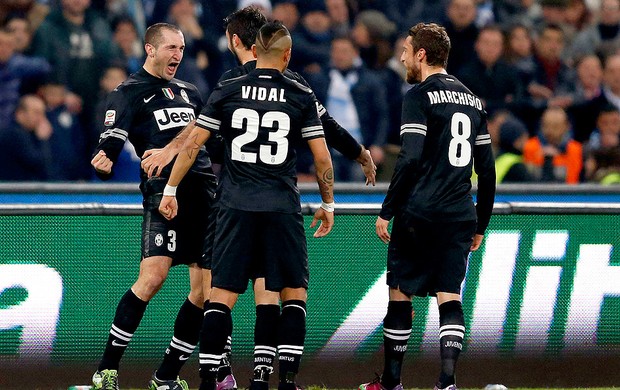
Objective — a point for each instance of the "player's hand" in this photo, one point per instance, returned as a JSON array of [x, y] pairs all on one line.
[[102, 163], [168, 207], [382, 229], [476, 243], [327, 222], [368, 166], [154, 161]]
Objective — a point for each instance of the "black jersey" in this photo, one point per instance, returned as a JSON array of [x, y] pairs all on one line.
[[335, 135], [149, 112], [261, 117], [444, 135]]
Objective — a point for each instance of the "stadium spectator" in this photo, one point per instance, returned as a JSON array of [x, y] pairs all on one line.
[[127, 39], [374, 36], [578, 16], [35, 11], [313, 37], [356, 98], [24, 147], [587, 97], [340, 16], [604, 166], [16, 70], [584, 114], [68, 154], [462, 30], [19, 26], [601, 38], [553, 155], [607, 132], [552, 82], [77, 42], [183, 14], [487, 75], [509, 165], [286, 11], [394, 79], [520, 50]]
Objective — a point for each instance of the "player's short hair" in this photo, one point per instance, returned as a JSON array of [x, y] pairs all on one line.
[[245, 24], [273, 38], [434, 40], [154, 33]]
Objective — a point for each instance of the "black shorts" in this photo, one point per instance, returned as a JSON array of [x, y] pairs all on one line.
[[207, 250], [425, 258], [259, 243], [183, 238]]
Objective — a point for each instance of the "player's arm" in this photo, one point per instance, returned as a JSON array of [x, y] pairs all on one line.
[[412, 135], [154, 160], [325, 180], [484, 165], [117, 122], [340, 139], [185, 159]]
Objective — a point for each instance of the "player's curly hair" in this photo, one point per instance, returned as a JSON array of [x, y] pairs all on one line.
[[434, 40], [245, 23]]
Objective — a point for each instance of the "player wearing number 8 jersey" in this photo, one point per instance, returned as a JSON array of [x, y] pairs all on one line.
[[436, 224], [261, 117]]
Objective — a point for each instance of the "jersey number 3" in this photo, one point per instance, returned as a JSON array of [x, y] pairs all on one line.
[[459, 152], [253, 122]]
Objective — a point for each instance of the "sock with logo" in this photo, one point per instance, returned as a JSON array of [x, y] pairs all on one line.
[[265, 343], [292, 330], [129, 313], [225, 369], [216, 327], [451, 334], [396, 333], [186, 333]]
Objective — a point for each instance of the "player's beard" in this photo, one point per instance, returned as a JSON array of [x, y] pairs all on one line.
[[414, 74]]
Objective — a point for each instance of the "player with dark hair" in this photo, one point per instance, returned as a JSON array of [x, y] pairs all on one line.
[[261, 117], [149, 109], [443, 135], [242, 27]]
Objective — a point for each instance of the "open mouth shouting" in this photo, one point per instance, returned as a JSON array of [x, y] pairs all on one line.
[[171, 69]]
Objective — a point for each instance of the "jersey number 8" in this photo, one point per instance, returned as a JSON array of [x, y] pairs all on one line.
[[459, 152], [253, 122]]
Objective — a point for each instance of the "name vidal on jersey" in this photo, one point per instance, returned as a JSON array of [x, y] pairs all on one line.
[[261, 93], [446, 96]]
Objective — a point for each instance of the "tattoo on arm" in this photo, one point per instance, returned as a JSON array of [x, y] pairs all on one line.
[[326, 183], [194, 147]]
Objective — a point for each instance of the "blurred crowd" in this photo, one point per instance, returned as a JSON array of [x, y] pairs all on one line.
[[548, 72]]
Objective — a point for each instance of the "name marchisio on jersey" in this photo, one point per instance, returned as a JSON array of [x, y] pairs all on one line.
[[454, 97]]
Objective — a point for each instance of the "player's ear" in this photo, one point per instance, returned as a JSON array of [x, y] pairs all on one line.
[[254, 51]]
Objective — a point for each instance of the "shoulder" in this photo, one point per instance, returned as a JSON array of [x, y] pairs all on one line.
[[296, 84]]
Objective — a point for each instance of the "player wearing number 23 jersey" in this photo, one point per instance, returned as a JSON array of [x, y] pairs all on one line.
[[261, 117]]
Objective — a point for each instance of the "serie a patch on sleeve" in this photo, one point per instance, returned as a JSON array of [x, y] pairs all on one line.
[[110, 117]]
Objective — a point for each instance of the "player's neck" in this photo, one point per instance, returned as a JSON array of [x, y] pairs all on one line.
[[245, 56], [427, 71], [267, 64]]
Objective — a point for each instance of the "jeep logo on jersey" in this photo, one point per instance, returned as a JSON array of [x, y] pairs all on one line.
[[168, 93], [173, 117]]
